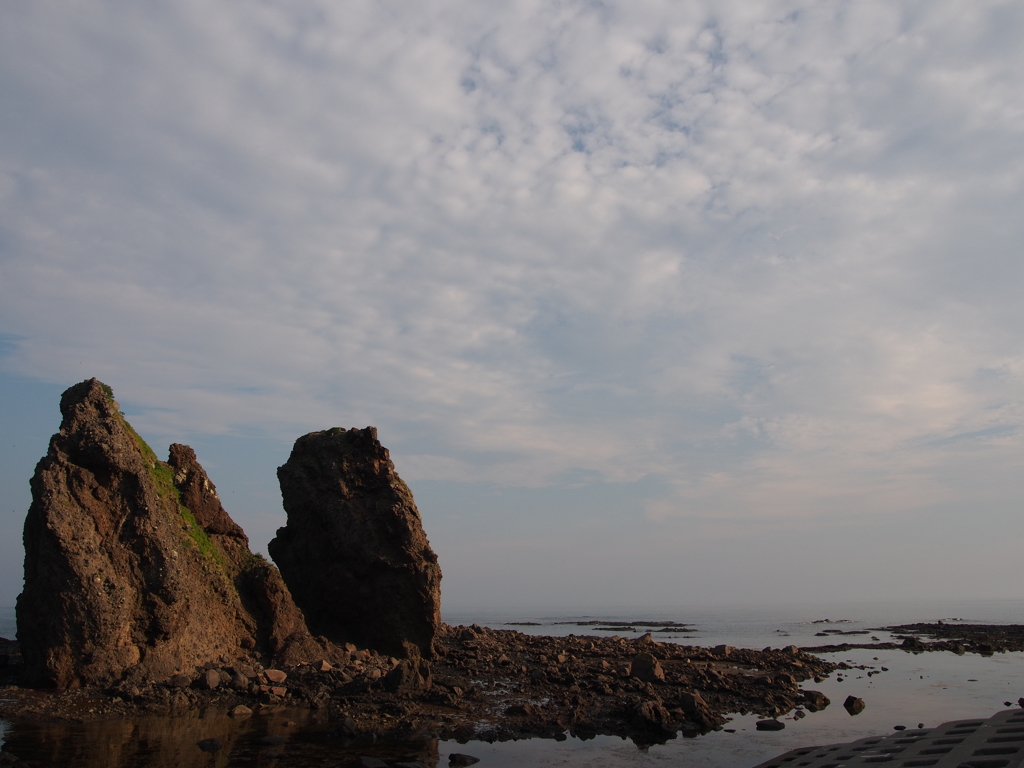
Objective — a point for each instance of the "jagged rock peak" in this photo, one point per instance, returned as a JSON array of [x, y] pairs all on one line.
[[199, 494], [132, 576], [353, 552]]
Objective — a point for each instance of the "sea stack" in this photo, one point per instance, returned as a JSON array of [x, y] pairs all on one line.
[[353, 552], [133, 570]]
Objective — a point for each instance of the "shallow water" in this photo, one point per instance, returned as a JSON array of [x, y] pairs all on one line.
[[927, 688]]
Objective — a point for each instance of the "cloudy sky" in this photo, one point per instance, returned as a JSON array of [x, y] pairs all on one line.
[[653, 302]]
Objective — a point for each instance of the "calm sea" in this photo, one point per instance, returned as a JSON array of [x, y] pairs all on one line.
[[926, 688]]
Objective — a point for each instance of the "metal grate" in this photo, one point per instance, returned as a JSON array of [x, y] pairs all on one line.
[[994, 743]]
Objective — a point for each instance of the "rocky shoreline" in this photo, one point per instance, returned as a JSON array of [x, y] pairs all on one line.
[[498, 685], [482, 684]]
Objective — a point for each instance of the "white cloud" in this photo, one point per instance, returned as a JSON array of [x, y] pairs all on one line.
[[763, 249]]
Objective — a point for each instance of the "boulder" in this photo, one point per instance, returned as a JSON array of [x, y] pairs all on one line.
[[276, 676], [409, 675], [854, 705], [133, 570], [353, 551], [815, 700], [647, 668]]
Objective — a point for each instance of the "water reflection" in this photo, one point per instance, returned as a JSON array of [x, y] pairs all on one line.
[[927, 688], [211, 739]]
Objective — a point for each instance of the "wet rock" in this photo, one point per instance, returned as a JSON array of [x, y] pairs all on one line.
[[210, 745], [123, 579], [854, 705], [353, 552], [458, 760], [179, 681], [211, 679], [815, 700], [240, 711], [692, 702], [651, 720], [645, 667], [276, 676], [770, 725], [409, 675]]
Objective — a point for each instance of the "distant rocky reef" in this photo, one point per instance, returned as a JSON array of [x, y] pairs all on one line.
[[134, 571]]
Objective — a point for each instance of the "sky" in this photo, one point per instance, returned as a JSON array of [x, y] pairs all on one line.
[[652, 302]]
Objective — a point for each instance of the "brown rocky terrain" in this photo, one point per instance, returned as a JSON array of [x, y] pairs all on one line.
[[482, 684], [133, 570], [354, 553]]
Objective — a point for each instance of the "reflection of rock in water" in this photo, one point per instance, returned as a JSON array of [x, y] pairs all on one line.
[[159, 742], [285, 737]]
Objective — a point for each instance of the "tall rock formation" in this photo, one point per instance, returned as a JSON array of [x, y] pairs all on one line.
[[133, 570], [353, 552]]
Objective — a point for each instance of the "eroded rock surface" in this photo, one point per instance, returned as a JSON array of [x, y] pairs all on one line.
[[133, 570], [353, 552]]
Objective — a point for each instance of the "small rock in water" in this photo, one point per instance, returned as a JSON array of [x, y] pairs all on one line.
[[799, 714], [770, 725], [210, 745], [241, 711], [854, 705], [899, 727], [457, 759], [816, 700], [920, 726]]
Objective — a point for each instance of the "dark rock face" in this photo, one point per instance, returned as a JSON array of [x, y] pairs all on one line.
[[854, 705], [133, 570], [354, 553]]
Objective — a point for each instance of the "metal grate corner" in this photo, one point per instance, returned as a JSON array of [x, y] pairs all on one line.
[[994, 743]]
